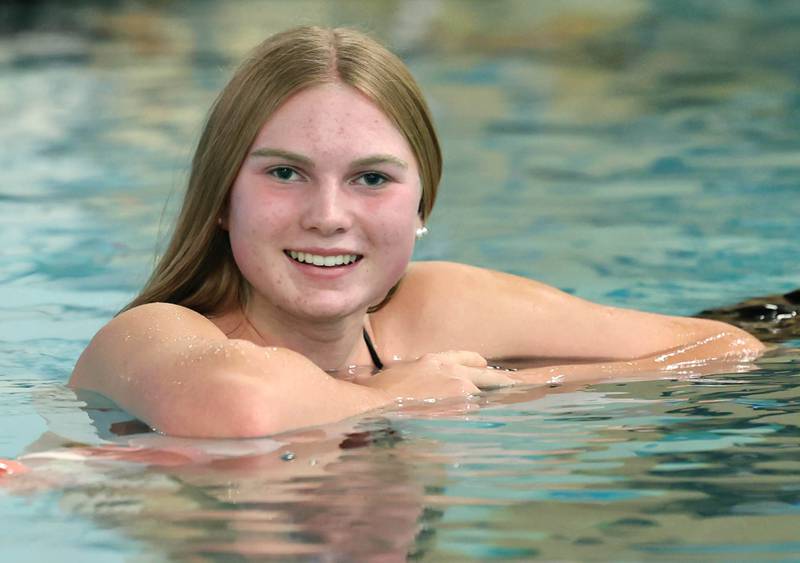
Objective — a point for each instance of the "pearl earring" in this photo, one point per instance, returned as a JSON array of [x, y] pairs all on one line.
[[421, 232]]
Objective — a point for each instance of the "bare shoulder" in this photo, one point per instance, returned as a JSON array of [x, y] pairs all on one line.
[[140, 335], [450, 277], [427, 275], [445, 306], [449, 287]]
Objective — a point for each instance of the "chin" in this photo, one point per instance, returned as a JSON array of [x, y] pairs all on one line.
[[330, 309]]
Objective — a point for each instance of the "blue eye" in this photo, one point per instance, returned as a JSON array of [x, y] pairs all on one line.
[[372, 179], [284, 173]]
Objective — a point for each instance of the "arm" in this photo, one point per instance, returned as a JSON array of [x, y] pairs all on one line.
[[723, 351], [175, 370], [504, 316]]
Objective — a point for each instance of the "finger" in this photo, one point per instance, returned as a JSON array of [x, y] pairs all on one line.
[[463, 357], [490, 378]]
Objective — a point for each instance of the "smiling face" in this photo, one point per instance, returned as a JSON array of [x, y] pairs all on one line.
[[323, 212]]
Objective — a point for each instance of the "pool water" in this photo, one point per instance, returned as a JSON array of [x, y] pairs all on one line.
[[637, 153]]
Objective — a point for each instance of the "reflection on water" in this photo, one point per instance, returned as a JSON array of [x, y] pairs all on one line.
[[705, 467], [634, 152]]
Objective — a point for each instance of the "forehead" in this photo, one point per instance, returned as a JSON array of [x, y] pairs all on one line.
[[332, 118]]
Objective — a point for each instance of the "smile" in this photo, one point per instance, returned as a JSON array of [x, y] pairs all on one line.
[[319, 260]]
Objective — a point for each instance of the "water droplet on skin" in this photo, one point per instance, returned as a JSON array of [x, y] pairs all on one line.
[[288, 456]]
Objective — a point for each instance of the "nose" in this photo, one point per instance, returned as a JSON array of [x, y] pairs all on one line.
[[327, 209]]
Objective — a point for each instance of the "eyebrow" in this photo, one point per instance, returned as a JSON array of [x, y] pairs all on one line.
[[381, 159], [288, 155], [304, 160]]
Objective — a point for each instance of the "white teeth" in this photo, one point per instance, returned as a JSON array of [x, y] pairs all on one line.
[[327, 261]]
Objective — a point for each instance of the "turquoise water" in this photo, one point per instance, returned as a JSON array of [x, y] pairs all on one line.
[[640, 154]]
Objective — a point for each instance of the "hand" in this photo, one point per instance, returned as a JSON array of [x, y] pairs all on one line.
[[436, 376]]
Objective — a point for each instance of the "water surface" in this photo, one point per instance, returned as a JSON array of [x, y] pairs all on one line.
[[639, 154]]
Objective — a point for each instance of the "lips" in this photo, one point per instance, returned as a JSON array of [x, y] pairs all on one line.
[[325, 261]]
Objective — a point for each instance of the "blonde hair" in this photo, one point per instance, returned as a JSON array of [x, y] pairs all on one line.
[[197, 269]]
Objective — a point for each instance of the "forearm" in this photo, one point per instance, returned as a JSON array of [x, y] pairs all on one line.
[[300, 394], [724, 349], [236, 389]]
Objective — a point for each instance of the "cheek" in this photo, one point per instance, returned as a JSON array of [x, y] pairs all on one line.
[[253, 220], [399, 234], [396, 235], [397, 261], [249, 228], [245, 256]]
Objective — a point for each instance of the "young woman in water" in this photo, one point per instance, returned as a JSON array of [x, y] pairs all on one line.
[[286, 297]]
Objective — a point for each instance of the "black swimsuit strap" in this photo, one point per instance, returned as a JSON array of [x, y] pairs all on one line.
[[376, 360]]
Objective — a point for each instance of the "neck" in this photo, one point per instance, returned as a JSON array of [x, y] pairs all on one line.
[[332, 344]]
